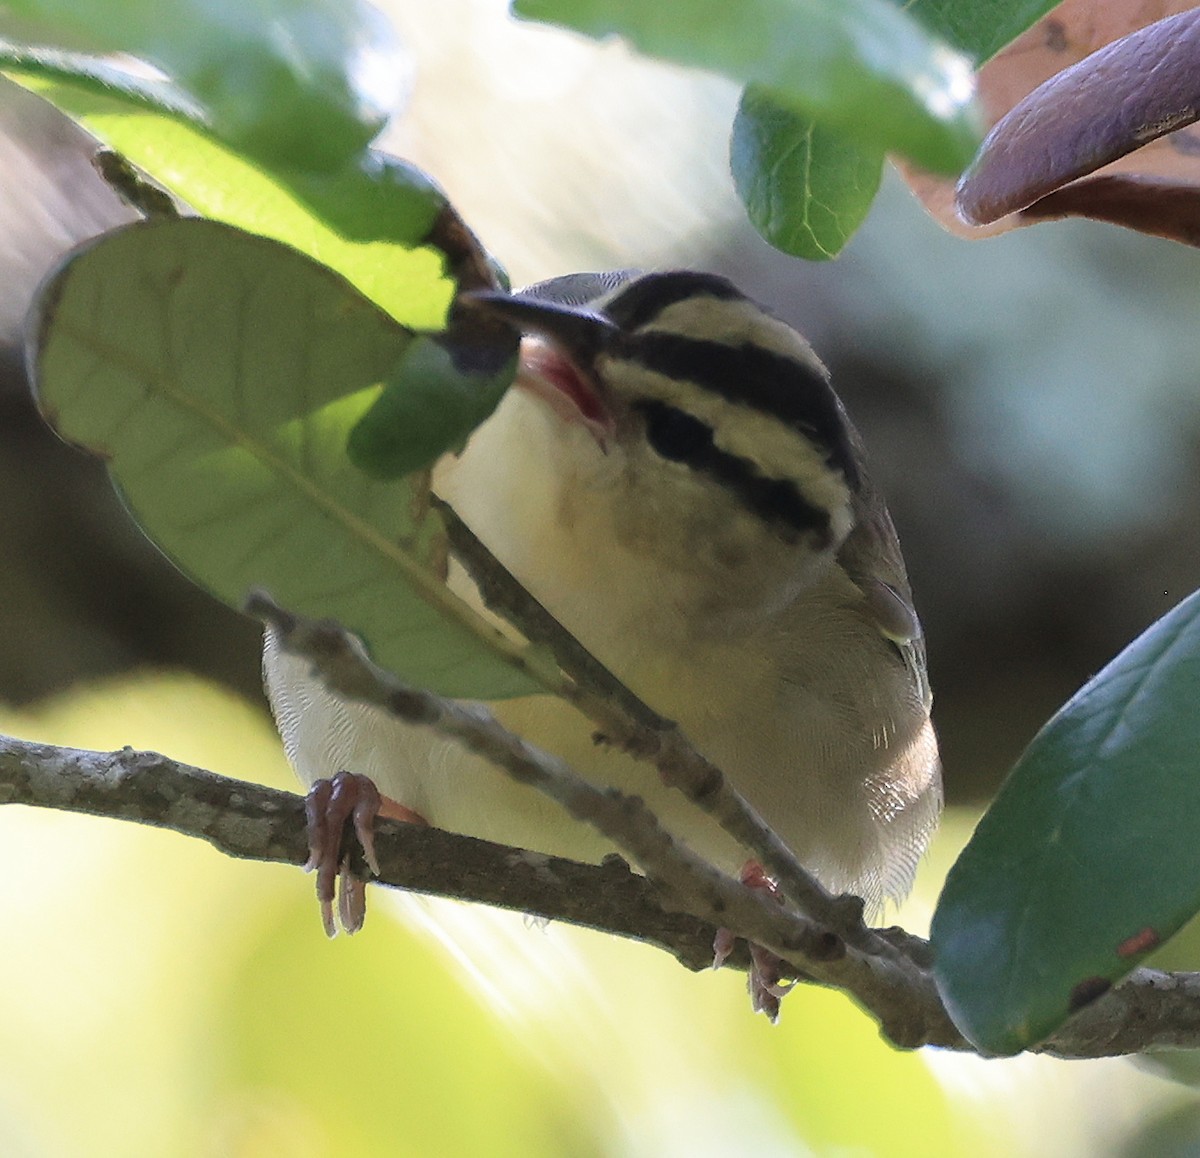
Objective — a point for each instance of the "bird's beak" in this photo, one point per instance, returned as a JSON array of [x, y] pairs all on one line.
[[578, 332], [558, 355]]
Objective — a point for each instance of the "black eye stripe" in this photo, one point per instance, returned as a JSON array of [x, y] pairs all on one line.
[[795, 393], [677, 435], [681, 437]]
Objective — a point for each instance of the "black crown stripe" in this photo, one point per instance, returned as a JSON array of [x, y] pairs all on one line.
[[644, 299]]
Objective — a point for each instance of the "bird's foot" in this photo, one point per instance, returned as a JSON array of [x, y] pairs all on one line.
[[765, 979], [329, 805]]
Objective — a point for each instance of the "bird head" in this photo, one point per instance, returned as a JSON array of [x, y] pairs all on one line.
[[701, 395]]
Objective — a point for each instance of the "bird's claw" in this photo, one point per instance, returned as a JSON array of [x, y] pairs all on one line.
[[328, 806], [765, 981], [765, 978]]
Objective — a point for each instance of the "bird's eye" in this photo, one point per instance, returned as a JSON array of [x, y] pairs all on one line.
[[674, 433]]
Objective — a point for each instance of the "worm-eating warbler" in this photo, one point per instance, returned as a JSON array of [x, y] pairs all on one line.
[[676, 481]]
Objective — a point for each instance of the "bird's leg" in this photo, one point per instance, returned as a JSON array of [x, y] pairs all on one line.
[[329, 805], [765, 979]]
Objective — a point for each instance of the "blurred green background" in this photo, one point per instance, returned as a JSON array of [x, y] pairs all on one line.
[[1031, 405]]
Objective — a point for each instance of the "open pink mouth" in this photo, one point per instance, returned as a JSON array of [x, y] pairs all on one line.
[[549, 374]]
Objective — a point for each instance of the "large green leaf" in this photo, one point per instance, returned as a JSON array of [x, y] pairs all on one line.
[[305, 82], [806, 188], [220, 374], [861, 66], [979, 28], [1087, 859]]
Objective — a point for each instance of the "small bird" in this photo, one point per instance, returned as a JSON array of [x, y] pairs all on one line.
[[675, 480]]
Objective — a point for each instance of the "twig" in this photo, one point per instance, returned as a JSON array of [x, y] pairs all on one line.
[[134, 187], [254, 822], [632, 725], [864, 962], [1150, 1010], [685, 880]]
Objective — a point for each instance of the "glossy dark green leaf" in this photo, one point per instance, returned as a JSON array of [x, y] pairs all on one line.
[[305, 82], [220, 374], [806, 188], [862, 66], [979, 28], [430, 403], [1087, 859]]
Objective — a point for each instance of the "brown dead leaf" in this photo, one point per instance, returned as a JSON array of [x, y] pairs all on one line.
[[1161, 208], [1065, 122], [1073, 30]]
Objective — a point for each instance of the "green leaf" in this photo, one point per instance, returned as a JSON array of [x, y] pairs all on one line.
[[806, 188], [383, 260], [220, 374], [431, 401], [1087, 858], [378, 198], [980, 28], [861, 66], [302, 82]]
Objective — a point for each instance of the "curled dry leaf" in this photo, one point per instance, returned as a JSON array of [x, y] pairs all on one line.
[[1082, 92], [1133, 91], [1162, 208]]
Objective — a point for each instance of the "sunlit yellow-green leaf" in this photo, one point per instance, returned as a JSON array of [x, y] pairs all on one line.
[[309, 82], [409, 282]]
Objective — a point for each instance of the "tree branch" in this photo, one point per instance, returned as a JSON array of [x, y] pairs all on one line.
[[886, 971], [254, 822], [1150, 1010], [684, 879], [631, 724]]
